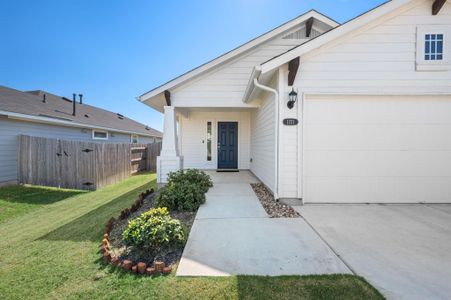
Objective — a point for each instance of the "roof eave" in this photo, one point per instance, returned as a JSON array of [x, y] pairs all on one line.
[[37, 119]]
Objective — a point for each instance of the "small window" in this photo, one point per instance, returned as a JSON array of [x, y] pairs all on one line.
[[433, 47], [99, 135], [209, 141], [134, 139], [433, 53]]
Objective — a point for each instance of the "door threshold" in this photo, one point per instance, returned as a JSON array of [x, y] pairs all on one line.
[[227, 170]]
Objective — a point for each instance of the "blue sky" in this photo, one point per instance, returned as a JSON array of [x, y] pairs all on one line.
[[113, 51]]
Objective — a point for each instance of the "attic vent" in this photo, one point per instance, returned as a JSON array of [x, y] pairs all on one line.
[[147, 128], [120, 116], [296, 35], [86, 116], [300, 34]]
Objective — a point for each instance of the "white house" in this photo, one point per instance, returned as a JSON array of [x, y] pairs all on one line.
[[371, 121]]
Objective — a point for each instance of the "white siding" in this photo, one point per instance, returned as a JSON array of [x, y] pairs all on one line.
[[225, 86], [194, 134], [9, 129], [377, 149], [379, 59], [263, 141]]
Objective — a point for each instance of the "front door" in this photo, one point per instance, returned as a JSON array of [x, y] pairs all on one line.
[[227, 145]]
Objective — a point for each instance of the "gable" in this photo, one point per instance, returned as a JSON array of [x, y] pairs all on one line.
[[226, 76], [378, 59]]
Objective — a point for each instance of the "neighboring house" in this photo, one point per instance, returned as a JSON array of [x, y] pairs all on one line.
[[371, 121], [38, 113]]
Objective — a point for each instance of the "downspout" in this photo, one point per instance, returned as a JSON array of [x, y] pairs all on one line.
[[276, 99]]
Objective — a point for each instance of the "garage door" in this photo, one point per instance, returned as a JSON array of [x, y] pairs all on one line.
[[377, 149]]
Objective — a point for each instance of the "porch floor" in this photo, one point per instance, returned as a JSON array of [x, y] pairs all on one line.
[[233, 235]]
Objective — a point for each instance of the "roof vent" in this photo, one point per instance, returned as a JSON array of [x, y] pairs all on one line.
[[120, 116], [81, 98], [44, 100], [74, 105], [86, 116], [147, 128]]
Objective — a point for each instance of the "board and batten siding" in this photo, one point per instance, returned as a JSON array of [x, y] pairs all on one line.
[[263, 139], [193, 137], [10, 129]]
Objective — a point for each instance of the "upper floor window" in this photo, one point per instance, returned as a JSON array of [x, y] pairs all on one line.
[[433, 47], [433, 52]]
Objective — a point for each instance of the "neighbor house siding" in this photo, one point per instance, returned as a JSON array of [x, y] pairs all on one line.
[[379, 59], [263, 141], [193, 137], [10, 129]]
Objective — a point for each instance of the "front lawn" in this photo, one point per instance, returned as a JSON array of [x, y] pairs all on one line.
[[49, 243]]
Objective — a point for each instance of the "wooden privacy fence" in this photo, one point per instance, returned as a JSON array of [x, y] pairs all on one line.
[[81, 165]]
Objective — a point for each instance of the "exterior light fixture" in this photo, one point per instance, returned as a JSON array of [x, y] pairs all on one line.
[[292, 98]]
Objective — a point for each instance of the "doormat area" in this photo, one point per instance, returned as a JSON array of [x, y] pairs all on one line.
[[227, 170]]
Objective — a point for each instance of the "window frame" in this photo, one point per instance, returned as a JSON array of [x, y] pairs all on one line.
[[432, 65], [137, 138], [100, 138]]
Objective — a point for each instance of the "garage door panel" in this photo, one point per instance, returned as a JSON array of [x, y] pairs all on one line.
[[378, 190], [377, 149], [377, 110], [378, 137], [378, 163]]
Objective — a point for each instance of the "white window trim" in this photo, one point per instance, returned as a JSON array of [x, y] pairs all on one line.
[[433, 65], [98, 138], [137, 138]]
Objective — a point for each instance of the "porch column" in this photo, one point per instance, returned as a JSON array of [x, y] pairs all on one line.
[[169, 159], [169, 147]]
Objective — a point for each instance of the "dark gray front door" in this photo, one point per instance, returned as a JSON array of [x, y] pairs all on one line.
[[227, 145]]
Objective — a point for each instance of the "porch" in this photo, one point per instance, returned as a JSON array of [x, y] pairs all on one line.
[[206, 139]]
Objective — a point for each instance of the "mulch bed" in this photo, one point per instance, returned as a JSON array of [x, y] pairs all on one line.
[[273, 209], [123, 252]]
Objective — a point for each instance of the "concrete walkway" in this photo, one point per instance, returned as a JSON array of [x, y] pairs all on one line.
[[233, 235]]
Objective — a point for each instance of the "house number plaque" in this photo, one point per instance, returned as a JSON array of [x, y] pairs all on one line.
[[290, 122]]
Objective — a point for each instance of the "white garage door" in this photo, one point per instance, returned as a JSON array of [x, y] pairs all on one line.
[[377, 149]]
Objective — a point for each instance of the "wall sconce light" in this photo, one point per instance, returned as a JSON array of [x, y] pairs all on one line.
[[292, 98]]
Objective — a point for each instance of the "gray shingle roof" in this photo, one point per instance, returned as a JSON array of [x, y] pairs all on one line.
[[59, 108]]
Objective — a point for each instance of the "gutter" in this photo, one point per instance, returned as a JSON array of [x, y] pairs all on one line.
[[276, 148], [46, 120]]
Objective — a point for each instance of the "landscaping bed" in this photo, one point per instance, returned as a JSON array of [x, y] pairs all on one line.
[[149, 237], [123, 252], [273, 208]]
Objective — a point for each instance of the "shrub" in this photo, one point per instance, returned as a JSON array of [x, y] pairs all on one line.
[[193, 176], [154, 229], [181, 196]]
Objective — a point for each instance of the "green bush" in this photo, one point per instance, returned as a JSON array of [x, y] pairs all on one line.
[[185, 190], [181, 196], [192, 176], [154, 229]]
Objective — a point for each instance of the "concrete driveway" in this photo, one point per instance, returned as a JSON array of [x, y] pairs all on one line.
[[403, 250], [233, 235]]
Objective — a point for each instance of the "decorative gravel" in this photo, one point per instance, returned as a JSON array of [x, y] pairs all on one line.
[[273, 209], [170, 256]]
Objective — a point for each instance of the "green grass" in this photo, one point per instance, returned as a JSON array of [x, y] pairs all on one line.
[[17, 200], [49, 243]]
